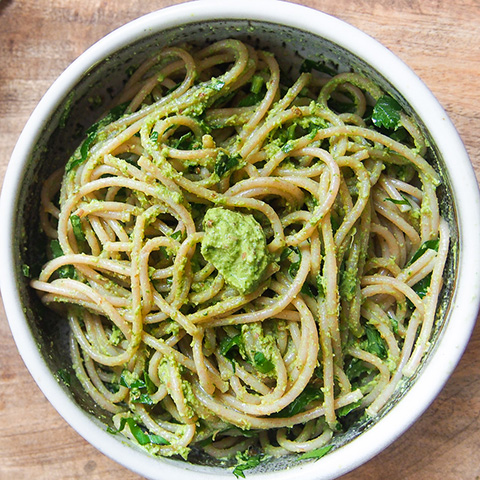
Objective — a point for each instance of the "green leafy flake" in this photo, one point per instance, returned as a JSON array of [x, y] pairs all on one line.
[[257, 84], [64, 375], [245, 462], [429, 244], [386, 113], [178, 235], [317, 453], [263, 364], [309, 65], [154, 136], [344, 411], [375, 342], [91, 134], [225, 163], [307, 289], [404, 201], [144, 398], [141, 437], [285, 253], [151, 387], [294, 266], [421, 287], [127, 381], [309, 394], [66, 271], [228, 343], [76, 222], [26, 270]]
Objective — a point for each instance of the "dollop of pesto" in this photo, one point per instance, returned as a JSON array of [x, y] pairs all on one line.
[[235, 244]]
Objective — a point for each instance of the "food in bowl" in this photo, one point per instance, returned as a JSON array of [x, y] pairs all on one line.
[[248, 262]]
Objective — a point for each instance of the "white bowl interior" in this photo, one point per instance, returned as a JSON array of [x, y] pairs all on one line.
[[56, 128]]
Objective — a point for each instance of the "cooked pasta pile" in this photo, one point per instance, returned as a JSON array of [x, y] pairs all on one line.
[[243, 264]]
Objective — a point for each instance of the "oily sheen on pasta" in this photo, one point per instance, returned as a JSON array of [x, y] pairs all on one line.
[[244, 264]]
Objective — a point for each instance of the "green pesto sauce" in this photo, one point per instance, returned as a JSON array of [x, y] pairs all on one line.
[[234, 243]]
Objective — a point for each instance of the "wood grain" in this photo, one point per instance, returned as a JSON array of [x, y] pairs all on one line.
[[438, 39]]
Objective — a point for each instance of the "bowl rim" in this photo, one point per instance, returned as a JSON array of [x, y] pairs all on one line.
[[463, 311]]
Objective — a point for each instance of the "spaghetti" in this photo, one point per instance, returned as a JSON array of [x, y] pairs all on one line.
[[243, 265]]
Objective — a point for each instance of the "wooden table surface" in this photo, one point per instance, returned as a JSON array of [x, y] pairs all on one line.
[[439, 39]]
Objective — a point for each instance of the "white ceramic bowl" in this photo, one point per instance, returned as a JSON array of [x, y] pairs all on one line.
[[292, 31]]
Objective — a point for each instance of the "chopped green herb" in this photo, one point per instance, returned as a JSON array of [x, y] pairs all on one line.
[[309, 65], [26, 270], [285, 253], [64, 375], [178, 235], [67, 271], [141, 437], [228, 343], [293, 269], [344, 411], [263, 364], [81, 155], [154, 136], [245, 462], [404, 201], [317, 453], [307, 290], [225, 163], [386, 113], [143, 398], [375, 342], [76, 222], [429, 244], [150, 386], [421, 287], [185, 142], [128, 380], [257, 84], [308, 395]]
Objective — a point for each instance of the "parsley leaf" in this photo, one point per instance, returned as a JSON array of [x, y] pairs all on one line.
[[375, 342], [421, 287], [344, 411], [81, 155], [141, 437], [228, 343], [263, 364], [317, 453], [64, 375], [429, 244], [76, 222], [26, 270], [308, 395], [404, 201], [225, 163], [386, 113], [309, 65], [66, 271], [245, 462]]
